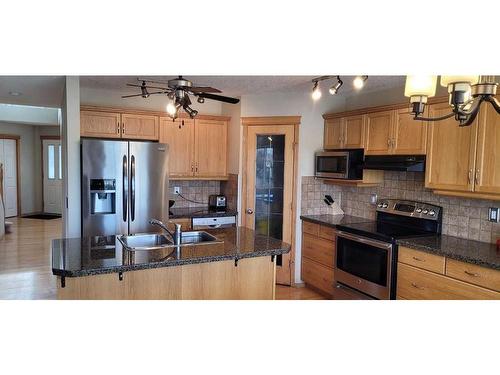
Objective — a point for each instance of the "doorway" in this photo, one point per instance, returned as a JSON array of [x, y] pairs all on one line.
[[269, 183], [9, 159], [52, 175]]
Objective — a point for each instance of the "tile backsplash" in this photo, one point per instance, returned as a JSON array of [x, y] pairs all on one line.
[[230, 189], [462, 217], [194, 190]]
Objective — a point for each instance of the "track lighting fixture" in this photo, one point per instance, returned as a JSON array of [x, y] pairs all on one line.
[[466, 94], [316, 92], [335, 88], [359, 82]]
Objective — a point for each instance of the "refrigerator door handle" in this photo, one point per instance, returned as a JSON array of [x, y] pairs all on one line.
[[125, 186], [132, 188]]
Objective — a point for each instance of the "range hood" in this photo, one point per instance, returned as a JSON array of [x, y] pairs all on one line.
[[402, 163]]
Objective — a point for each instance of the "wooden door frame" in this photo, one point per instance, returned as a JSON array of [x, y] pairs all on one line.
[[43, 138], [17, 138], [272, 121]]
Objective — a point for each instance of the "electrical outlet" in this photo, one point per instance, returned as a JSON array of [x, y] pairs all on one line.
[[177, 189], [493, 214], [373, 199]]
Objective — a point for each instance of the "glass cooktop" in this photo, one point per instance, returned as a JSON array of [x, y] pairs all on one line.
[[383, 231]]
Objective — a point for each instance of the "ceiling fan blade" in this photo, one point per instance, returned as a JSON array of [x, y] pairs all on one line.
[[220, 98], [130, 96], [149, 93], [201, 89], [148, 87]]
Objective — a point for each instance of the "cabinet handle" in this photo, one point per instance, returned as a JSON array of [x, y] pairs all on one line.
[[118, 128], [416, 286], [469, 176], [476, 177], [123, 128], [418, 259], [472, 274], [196, 168], [389, 142], [192, 167]]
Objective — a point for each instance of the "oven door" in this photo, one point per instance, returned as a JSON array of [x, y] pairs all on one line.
[[332, 164], [364, 264]]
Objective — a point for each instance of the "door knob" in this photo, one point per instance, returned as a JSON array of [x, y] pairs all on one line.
[[249, 211]]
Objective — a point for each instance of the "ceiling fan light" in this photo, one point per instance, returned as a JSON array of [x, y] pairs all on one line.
[[316, 93], [171, 108], [420, 85], [448, 80]]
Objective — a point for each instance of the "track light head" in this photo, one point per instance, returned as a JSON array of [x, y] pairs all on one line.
[[335, 87], [316, 92], [359, 82]]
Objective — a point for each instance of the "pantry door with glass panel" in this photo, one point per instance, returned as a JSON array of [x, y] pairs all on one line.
[[269, 187], [52, 176]]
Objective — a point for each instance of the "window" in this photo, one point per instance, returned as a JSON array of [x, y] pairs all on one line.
[[51, 162], [60, 163]]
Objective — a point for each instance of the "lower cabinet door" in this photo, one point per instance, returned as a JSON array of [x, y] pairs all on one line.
[[414, 283], [318, 276]]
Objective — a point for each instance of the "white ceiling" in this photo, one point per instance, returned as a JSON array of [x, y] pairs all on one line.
[[244, 85], [47, 91], [43, 91]]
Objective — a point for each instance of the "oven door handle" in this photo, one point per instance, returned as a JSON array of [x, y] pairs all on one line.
[[367, 241]]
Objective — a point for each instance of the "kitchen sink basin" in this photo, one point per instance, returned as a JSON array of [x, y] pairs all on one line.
[[141, 242]]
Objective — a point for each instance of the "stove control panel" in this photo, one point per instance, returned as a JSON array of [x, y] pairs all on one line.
[[409, 208]]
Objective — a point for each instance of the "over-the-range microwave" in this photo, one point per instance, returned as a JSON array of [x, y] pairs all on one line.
[[339, 164]]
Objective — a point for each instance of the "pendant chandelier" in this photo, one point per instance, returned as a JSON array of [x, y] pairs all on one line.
[[466, 94]]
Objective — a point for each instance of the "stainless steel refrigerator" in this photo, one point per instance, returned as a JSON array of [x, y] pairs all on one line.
[[124, 184]]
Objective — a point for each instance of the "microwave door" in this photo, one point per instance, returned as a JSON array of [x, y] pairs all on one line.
[[332, 166]]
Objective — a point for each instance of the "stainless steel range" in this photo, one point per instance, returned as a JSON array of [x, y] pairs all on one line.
[[366, 254]]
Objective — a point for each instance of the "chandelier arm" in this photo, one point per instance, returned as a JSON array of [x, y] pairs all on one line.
[[470, 117], [416, 117], [494, 102], [473, 109]]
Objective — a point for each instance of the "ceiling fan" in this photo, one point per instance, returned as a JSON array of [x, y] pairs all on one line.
[[178, 91]]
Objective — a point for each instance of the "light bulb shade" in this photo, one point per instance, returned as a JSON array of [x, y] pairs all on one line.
[[171, 108], [471, 80], [420, 85]]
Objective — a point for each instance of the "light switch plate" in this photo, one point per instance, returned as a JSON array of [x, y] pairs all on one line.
[[177, 189], [373, 199], [493, 214]]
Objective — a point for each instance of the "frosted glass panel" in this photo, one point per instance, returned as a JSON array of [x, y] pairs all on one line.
[[60, 163], [51, 162]]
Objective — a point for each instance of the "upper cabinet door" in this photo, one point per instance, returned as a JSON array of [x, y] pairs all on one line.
[[100, 124], [487, 173], [354, 132], [210, 148], [333, 134], [410, 136], [379, 133], [140, 127], [451, 152], [179, 135]]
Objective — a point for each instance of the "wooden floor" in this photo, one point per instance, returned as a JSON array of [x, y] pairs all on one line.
[[26, 273], [25, 270]]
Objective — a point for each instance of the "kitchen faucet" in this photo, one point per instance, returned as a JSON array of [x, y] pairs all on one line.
[[176, 236]]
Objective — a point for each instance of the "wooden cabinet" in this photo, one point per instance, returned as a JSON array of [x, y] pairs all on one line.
[[179, 135], [422, 275], [318, 254], [139, 127], [450, 152], [100, 124], [379, 133], [409, 137], [345, 132], [198, 148], [210, 148]]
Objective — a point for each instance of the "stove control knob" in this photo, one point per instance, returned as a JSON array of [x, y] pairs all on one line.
[[418, 210], [432, 212], [385, 205], [425, 211], [379, 205]]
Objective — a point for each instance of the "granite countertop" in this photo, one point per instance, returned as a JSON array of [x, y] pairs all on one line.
[[190, 212], [474, 252], [74, 257], [334, 220]]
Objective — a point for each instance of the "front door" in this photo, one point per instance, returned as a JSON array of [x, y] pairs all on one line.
[[52, 176], [269, 187], [8, 157]]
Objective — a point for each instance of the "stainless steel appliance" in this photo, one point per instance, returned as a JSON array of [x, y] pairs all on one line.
[[339, 164], [366, 253], [213, 222], [124, 185], [217, 201], [402, 163]]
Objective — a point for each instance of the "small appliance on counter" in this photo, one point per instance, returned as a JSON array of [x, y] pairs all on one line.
[[217, 202]]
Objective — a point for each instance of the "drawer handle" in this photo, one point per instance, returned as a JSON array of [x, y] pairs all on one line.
[[472, 274], [418, 259], [416, 286]]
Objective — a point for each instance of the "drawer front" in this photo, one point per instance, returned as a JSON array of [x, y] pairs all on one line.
[[420, 259], [316, 275], [328, 233], [310, 228], [473, 274], [414, 283], [318, 249]]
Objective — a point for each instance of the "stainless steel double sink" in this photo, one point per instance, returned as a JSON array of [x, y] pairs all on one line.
[[155, 241]]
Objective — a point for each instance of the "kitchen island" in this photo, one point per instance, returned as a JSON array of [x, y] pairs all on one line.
[[241, 265]]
